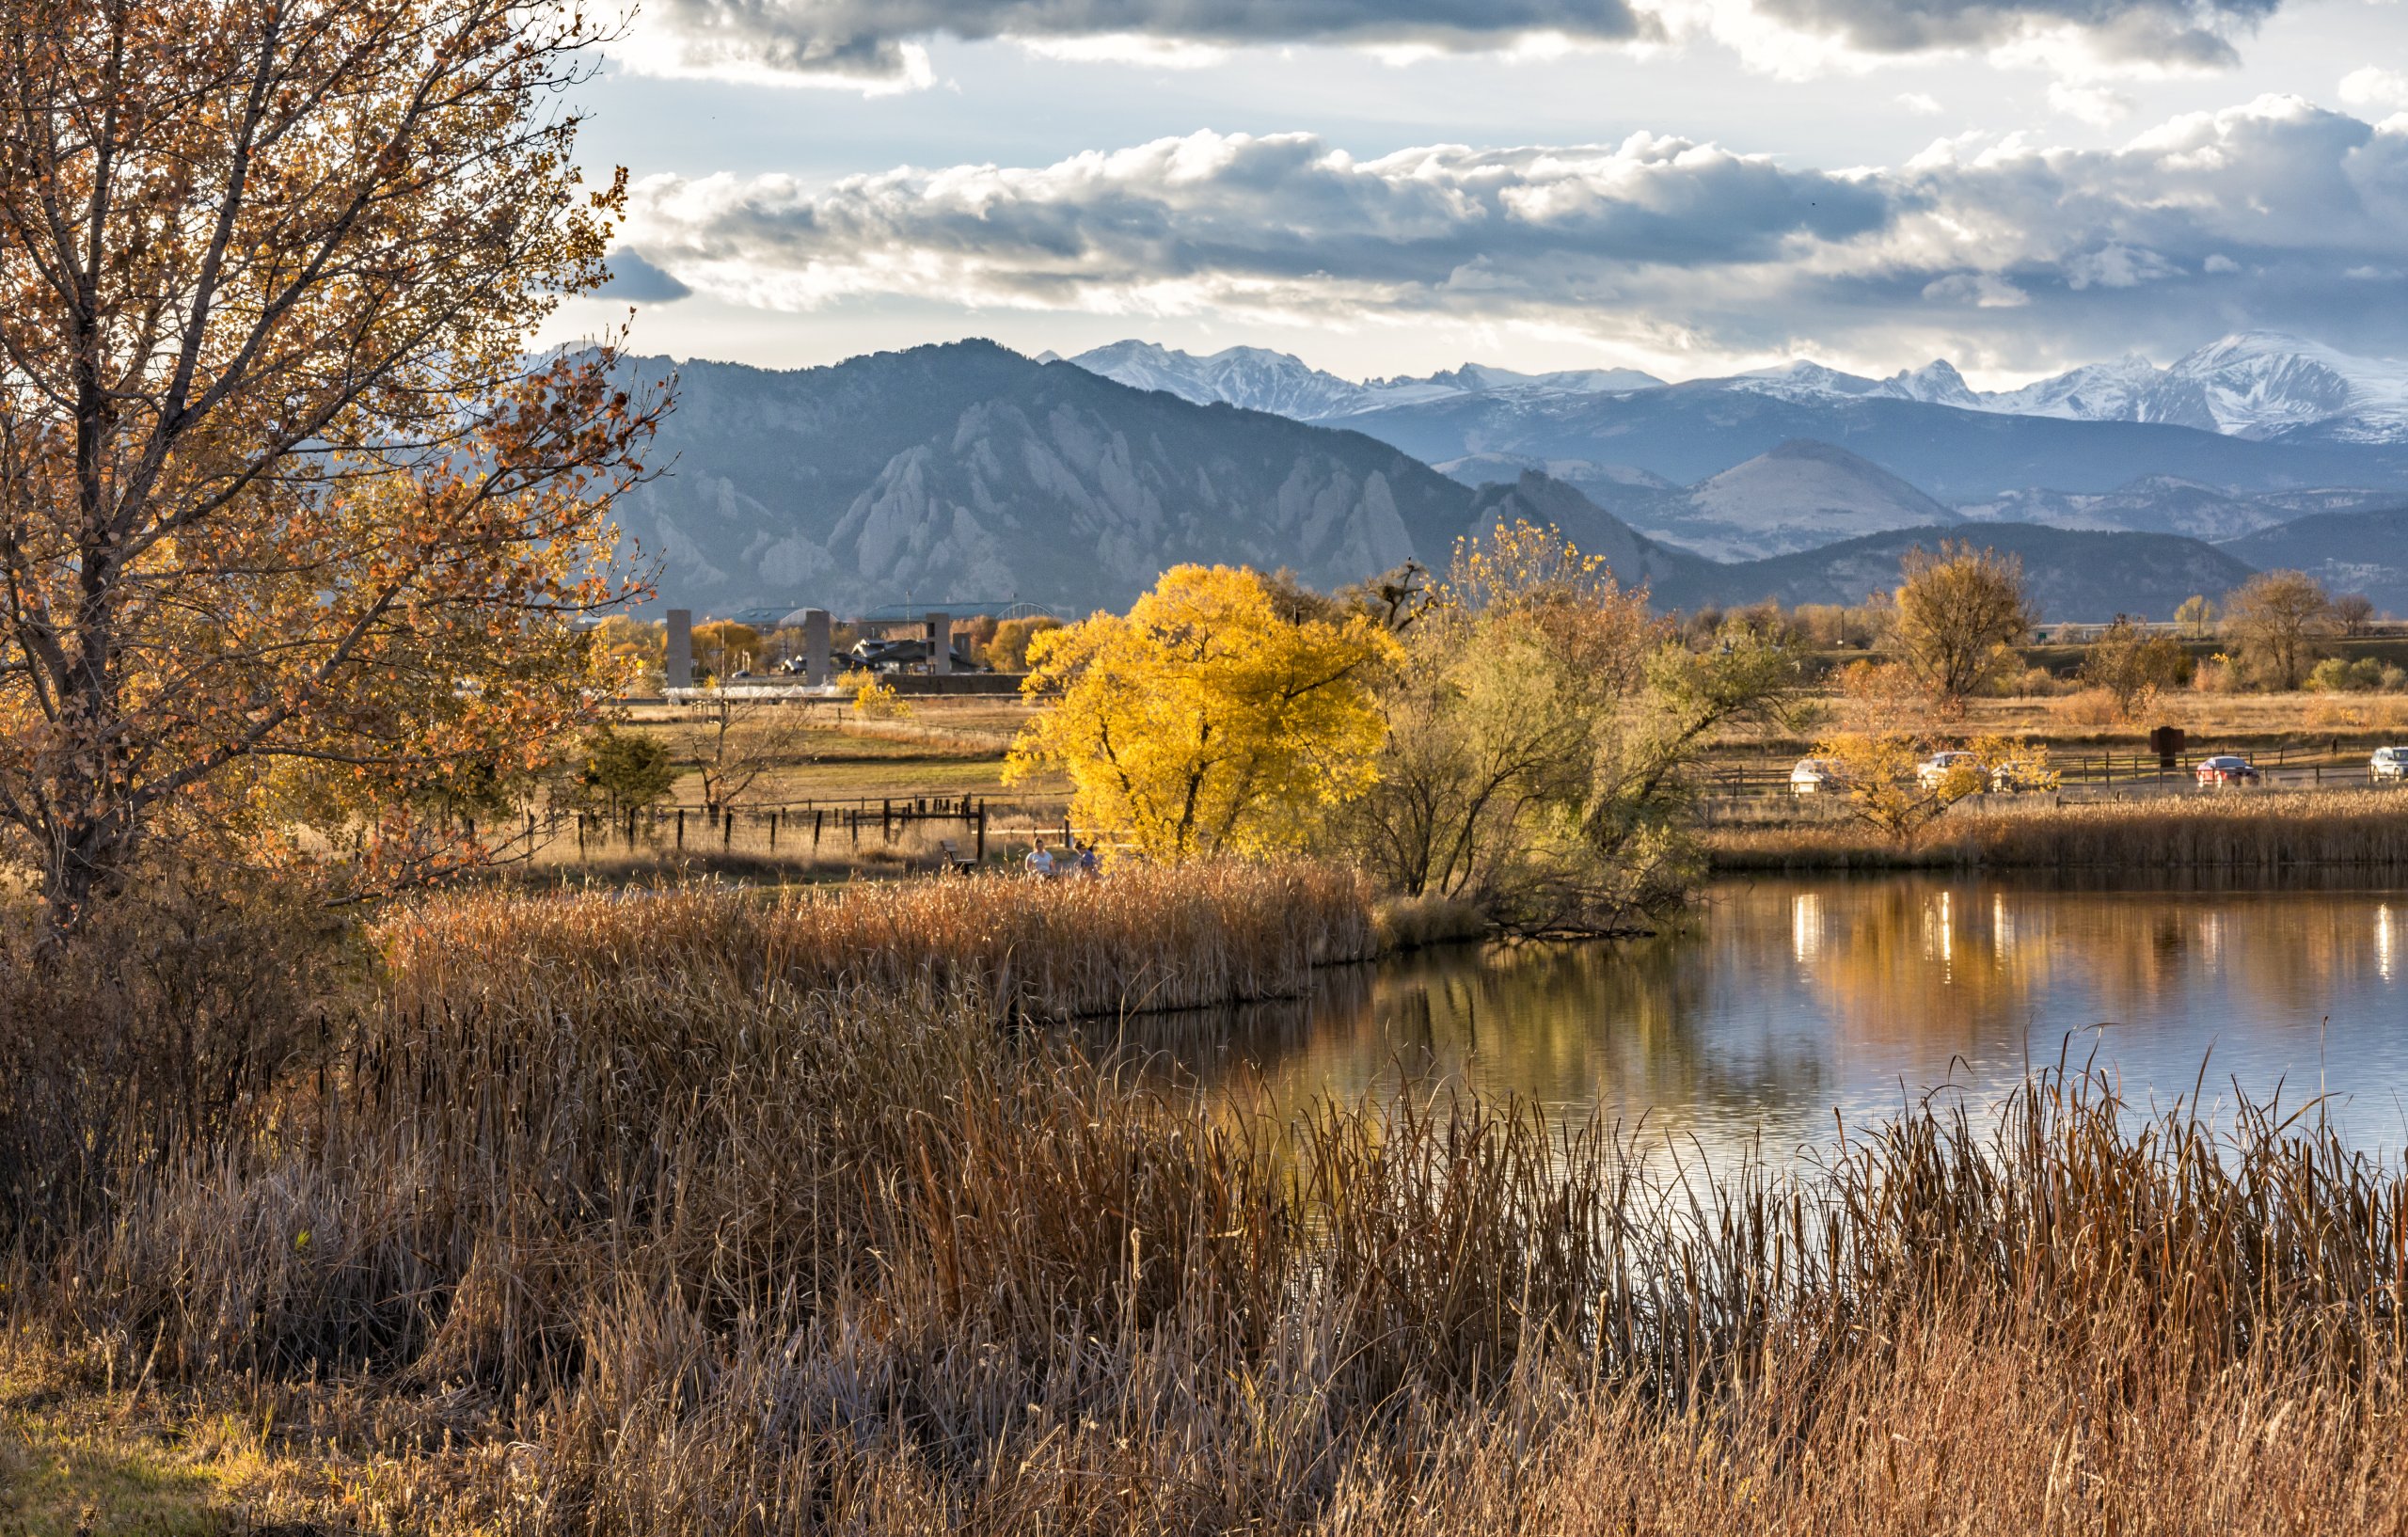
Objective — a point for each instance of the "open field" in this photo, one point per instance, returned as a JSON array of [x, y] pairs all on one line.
[[682, 1214]]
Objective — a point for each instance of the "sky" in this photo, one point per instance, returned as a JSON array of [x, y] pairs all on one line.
[[1391, 187]]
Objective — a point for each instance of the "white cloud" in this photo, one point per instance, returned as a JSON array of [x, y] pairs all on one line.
[[1921, 103], [2093, 104], [2372, 87], [1998, 247]]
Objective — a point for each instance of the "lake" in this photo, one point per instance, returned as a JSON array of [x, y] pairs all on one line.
[[1787, 999]]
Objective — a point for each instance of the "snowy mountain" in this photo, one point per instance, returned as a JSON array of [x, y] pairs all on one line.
[[2262, 385], [1480, 379], [1251, 378], [2116, 391], [1257, 379], [2258, 385]]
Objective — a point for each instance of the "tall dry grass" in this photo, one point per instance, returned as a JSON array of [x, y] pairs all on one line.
[[1148, 938], [647, 1215], [2263, 833]]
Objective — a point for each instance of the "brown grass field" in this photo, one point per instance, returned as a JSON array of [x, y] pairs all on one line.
[[680, 1213], [2263, 833]]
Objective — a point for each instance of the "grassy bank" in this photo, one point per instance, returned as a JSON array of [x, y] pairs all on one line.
[[2243, 832], [689, 1214]]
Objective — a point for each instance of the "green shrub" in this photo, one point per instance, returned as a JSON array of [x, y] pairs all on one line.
[[2334, 675]]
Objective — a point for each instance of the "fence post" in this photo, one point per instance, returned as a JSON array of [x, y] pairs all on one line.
[[817, 818], [727, 832], [681, 827], [982, 832], [773, 832]]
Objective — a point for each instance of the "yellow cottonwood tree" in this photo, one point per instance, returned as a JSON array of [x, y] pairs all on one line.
[[1203, 722]]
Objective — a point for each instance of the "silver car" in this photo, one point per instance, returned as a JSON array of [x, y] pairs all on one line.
[[2389, 763]]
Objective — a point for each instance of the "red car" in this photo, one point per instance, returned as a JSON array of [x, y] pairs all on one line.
[[2228, 769]]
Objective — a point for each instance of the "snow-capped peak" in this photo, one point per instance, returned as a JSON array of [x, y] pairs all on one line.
[[1937, 383], [1262, 380], [1255, 379], [2253, 384]]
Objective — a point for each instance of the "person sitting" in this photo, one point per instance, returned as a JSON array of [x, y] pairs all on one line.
[[1041, 862], [1089, 866]]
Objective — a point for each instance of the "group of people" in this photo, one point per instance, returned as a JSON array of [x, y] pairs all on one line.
[[1076, 859]]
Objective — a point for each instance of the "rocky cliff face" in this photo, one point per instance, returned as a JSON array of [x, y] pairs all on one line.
[[968, 475]]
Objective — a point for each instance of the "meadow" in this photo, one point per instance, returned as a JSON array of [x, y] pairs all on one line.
[[688, 1211]]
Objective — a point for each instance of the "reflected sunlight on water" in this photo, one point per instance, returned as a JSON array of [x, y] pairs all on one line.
[[1789, 1000]]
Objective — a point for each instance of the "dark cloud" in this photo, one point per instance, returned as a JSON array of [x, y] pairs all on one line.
[[633, 277], [2275, 212], [868, 38], [878, 41], [2190, 33]]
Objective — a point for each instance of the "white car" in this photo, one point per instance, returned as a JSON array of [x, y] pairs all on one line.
[[1816, 776], [2389, 763], [1941, 765]]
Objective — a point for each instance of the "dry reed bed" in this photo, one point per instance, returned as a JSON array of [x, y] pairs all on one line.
[[615, 1218], [1145, 938], [2241, 832]]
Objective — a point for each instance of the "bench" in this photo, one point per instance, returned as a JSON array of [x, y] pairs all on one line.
[[950, 858]]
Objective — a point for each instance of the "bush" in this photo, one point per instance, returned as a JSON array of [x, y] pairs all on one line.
[[2090, 707], [2336, 675]]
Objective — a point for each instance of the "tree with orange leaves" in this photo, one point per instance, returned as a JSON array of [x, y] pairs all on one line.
[[291, 530]]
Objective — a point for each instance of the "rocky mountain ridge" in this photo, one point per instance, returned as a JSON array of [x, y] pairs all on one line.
[[2251, 384]]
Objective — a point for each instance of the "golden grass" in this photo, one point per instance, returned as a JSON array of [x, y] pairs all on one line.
[[1147, 938], [691, 1214], [2261, 833]]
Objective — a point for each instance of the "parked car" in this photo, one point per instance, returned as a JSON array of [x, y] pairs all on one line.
[[2227, 768], [1940, 766], [2389, 763], [1815, 776]]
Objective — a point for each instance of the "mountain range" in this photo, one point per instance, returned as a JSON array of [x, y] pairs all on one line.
[[2252, 385], [967, 474]]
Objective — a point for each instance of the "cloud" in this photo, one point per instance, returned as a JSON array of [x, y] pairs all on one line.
[[1921, 103], [2374, 88], [633, 277], [2094, 104], [881, 45], [2183, 33], [2001, 248], [874, 42]]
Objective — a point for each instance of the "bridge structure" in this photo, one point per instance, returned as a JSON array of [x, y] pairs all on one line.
[[817, 623]]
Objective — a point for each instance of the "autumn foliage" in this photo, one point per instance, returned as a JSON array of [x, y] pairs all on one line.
[[290, 532], [1204, 721]]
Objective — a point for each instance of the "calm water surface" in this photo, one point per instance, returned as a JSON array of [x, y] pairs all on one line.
[[1792, 999]]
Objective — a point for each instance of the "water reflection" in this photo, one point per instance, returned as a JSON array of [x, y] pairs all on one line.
[[1790, 1000]]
